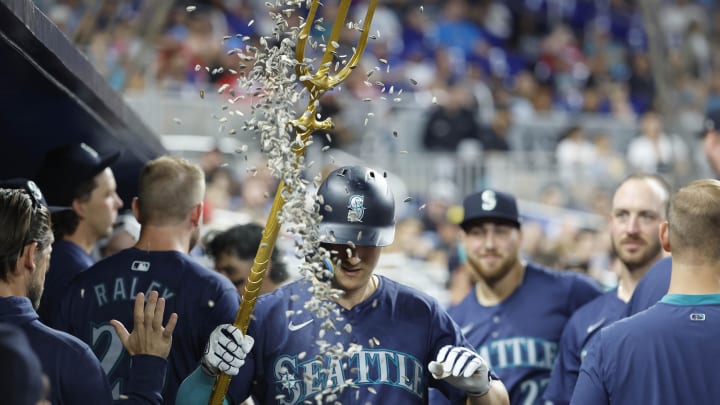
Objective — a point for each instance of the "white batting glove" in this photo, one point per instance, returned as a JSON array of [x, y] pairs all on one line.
[[226, 351], [463, 368]]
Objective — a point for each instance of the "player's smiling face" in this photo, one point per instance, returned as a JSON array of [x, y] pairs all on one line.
[[638, 209], [492, 249], [353, 266]]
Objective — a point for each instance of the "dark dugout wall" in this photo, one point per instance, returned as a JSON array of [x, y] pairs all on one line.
[[50, 94]]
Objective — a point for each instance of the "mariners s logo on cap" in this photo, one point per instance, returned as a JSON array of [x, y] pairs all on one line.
[[489, 200], [87, 148], [356, 208], [490, 205]]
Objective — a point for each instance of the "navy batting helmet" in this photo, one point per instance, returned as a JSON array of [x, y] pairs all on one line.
[[357, 207]]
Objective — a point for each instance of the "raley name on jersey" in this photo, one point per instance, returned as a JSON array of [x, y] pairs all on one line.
[[298, 381], [125, 289], [519, 352]]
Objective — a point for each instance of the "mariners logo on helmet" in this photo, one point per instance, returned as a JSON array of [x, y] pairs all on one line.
[[356, 208], [348, 194]]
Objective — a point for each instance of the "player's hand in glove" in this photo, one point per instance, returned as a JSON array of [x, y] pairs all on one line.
[[463, 368], [226, 351]]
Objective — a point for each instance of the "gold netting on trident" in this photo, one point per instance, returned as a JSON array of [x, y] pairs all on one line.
[[317, 84]]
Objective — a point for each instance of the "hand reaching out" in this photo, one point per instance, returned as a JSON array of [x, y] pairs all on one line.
[[148, 335], [463, 368]]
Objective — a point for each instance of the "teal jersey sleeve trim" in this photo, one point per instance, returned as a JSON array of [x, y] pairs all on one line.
[[196, 389], [689, 300]]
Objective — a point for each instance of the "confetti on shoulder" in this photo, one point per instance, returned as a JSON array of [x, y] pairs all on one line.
[[190, 9]]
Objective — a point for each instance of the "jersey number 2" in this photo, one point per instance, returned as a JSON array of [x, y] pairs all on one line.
[[108, 353], [532, 391]]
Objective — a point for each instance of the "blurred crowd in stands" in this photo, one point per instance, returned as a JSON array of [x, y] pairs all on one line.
[[478, 67], [525, 55]]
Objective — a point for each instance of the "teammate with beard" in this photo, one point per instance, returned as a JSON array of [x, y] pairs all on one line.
[[169, 209], [516, 312], [639, 206], [667, 354], [404, 341], [74, 374]]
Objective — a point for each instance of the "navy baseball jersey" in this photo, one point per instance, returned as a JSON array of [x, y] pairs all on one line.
[[519, 337], [666, 355], [580, 329], [400, 331], [652, 287], [74, 372], [66, 261], [202, 299]]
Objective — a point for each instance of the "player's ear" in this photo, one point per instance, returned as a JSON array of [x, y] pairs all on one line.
[[79, 207], [26, 259], [665, 236], [196, 214]]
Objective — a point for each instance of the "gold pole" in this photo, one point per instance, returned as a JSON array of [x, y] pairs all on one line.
[[317, 84]]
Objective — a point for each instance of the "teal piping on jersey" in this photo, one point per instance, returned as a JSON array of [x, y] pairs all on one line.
[[196, 389], [689, 300]]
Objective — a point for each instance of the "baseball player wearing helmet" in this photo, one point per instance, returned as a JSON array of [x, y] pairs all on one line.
[[408, 342], [639, 205], [169, 209], [516, 312], [667, 354], [74, 373]]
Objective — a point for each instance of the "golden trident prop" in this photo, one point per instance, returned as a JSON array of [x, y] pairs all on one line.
[[316, 84]]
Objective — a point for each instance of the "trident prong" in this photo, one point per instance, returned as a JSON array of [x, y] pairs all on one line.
[[316, 84], [321, 81]]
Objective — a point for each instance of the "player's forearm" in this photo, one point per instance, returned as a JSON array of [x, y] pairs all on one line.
[[496, 396], [147, 375], [196, 389]]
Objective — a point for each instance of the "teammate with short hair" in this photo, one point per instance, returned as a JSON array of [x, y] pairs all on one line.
[[169, 208], [655, 284], [409, 343], [74, 373], [515, 314], [639, 205], [233, 252], [668, 354], [78, 177]]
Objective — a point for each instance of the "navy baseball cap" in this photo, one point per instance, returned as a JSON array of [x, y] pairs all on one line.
[[66, 167], [490, 205], [711, 123], [31, 188], [21, 372]]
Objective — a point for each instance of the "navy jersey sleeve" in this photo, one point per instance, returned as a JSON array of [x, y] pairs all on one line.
[[87, 383], [583, 290], [590, 387], [147, 376], [567, 365]]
